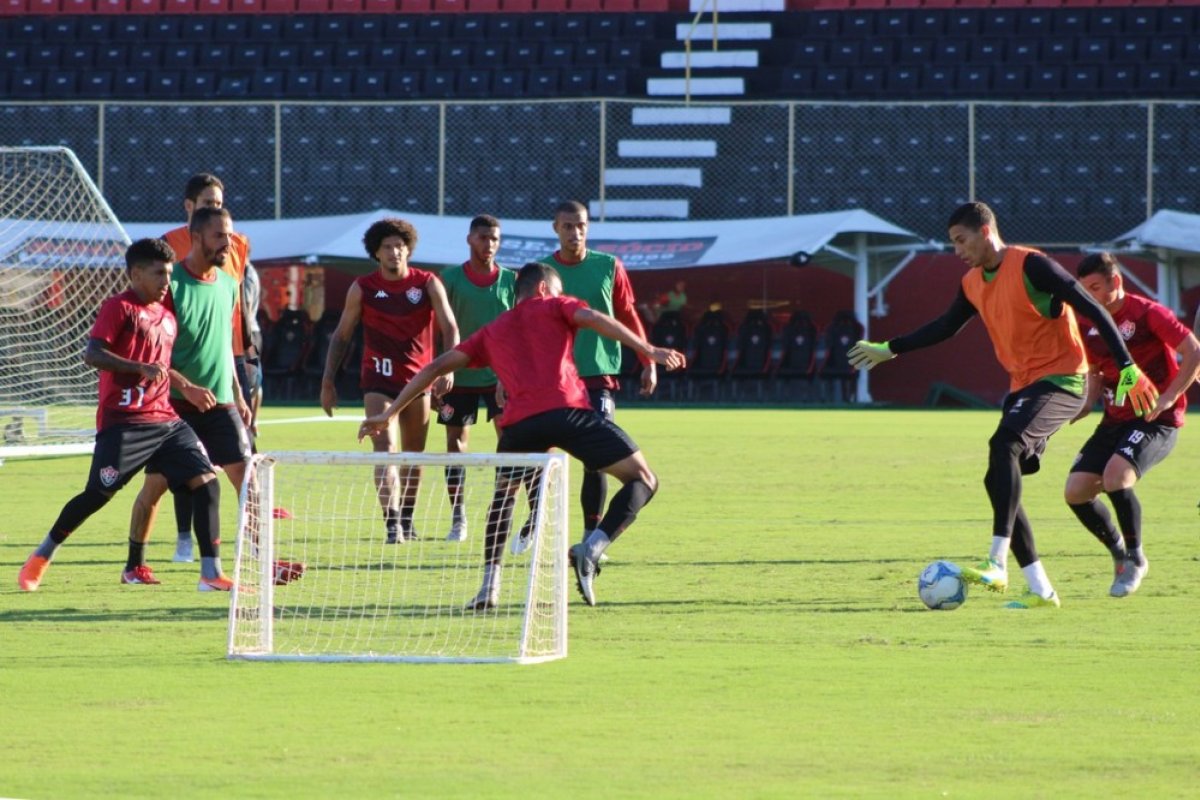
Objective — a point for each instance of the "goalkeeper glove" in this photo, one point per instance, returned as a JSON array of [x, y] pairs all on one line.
[[865, 355], [1138, 388]]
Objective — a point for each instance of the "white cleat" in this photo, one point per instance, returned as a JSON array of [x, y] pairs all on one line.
[[458, 531], [1129, 577], [183, 551]]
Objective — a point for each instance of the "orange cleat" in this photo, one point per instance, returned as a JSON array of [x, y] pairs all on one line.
[[221, 584], [288, 571], [31, 574], [140, 574]]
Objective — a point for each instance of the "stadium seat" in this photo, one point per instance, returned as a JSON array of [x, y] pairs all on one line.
[[836, 372], [284, 351], [797, 358], [710, 343], [755, 340]]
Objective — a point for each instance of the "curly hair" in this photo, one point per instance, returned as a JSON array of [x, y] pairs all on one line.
[[384, 228]]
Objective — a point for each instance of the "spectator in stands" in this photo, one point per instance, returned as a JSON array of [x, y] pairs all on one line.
[[398, 306], [205, 190], [600, 280], [1123, 447], [1028, 304]]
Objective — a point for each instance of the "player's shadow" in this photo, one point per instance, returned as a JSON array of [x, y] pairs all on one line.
[[167, 615]]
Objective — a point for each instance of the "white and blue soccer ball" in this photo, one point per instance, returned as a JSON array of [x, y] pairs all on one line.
[[941, 586]]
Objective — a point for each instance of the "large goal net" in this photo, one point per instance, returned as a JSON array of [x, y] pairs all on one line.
[[348, 595], [61, 254]]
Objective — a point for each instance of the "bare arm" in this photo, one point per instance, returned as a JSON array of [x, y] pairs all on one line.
[[338, 345], [447, 325], [97, 356], [1189, 370], [444, 364], [610, 328], [198, 396]]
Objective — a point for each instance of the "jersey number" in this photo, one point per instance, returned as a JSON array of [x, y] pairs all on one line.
[[128, 398], [383, 366]]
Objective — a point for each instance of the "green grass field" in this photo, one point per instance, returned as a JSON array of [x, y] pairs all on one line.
[[758, 635]]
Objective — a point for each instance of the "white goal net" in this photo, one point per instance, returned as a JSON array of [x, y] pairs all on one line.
[[316, 579], [62, 252]]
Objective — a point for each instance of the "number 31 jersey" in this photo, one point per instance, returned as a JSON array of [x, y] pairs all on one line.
[[139, 332], [397, 320]]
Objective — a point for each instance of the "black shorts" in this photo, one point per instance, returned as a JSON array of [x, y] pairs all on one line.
[[586, 435], [603, 402], [170, 448], [222, 433], [1142, 444], [460, 409], [1034, 414]]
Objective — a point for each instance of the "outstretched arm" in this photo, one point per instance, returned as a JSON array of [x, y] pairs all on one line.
[[442, 365], [338, 345], [865, 355], [1050, 277], [610, 328]]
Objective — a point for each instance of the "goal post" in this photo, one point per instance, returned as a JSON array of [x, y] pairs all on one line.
[[62, 253], [358, 598]]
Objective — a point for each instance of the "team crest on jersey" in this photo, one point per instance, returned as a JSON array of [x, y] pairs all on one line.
[[109, 475], [381, 295], [414, 295], [446, 411], [1127, 329]]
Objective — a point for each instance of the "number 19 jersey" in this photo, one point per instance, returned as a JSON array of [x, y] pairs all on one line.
[[397, 320]]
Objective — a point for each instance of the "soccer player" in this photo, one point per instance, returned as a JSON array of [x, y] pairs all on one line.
[[398, 306], [204, 190], [478, 291], [1027, 303], [531, 349], [131, 344], [1123, 447], [600, 280]]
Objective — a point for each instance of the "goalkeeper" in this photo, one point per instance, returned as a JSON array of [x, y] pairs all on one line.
[[530, 348], [1027, 303]]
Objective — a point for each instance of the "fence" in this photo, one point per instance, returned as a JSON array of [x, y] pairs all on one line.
[[1061, 174]]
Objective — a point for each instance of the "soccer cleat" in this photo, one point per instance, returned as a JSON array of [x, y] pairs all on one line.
[[487, 599], [288, 571], [220, 584], [523, 540], [1129, 577], [183, 551], [31, 574], [458, 531], [394, 537], [989, 574], [586, 571], [1031, 600], [140, 574]]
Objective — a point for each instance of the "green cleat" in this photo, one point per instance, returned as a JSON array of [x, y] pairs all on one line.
[[989, 574], [1031, 600]]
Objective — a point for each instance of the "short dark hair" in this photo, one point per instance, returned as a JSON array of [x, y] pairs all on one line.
[[199, 182], [384, 228], [203, 216], [484, 221], [1098, 264], [570, 207], [973, 215], [148, 251], [533, 273]]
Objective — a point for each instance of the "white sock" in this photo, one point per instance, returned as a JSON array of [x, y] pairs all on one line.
[[999, 552], [491, 577], [596, 543], [184, 536], [1039, 582]]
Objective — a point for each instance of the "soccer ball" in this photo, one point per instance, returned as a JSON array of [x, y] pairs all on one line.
[[941, 586]]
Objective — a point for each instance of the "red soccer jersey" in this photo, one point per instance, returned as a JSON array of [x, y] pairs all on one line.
[[1151, 332], [397, 320], [530, 348], [140, 332]]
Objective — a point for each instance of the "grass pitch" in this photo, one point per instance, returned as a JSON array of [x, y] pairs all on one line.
[[758, 635]]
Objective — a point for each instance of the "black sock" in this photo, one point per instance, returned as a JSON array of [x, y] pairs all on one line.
[[455, 478], [182, 498], [1129, 517], [206, 507], [137, 555], [1021, 543], [391, 521], [625, 507], [593, 491], [499, 520], [1098, 521]]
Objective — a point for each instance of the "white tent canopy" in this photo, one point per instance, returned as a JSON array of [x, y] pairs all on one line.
[[869, 249], [1172, 239]]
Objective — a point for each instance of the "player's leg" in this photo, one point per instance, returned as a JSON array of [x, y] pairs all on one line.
[[119, 453], [385, 477], [182, 502], [457, 414], [1140, 446], [1029, 418], [1041, 594], [496, 533], [1084, 485], [414, 429], [593, 488], [141, 517], [531, 479]]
